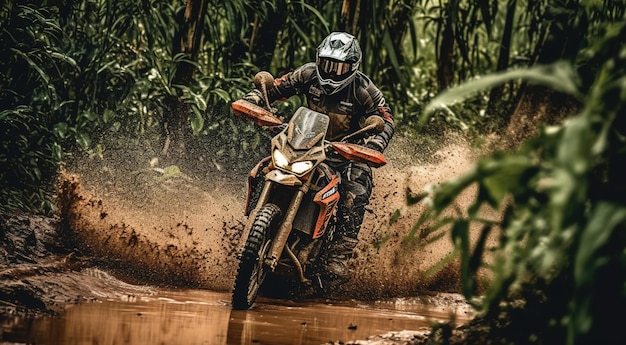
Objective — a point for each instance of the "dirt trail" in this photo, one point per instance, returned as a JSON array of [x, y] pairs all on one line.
[[183, 231]]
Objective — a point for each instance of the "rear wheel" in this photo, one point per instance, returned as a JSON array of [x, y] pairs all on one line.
[[252, 270]]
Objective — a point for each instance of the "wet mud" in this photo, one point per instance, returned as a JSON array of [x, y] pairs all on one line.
[[189, 317]]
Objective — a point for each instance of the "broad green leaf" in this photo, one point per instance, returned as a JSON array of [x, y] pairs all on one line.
[[603, 220], [57, 152], [502, 176], [83, 140], [559, 76], [90, 115], [223, 94], [197, 122], [60, 130], [445, 193], [64, 58]]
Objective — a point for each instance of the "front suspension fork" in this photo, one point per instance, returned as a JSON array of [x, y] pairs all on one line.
[[278, 244]]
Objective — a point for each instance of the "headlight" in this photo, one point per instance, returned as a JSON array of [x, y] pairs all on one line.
[[301, 167], [280, 160], [298, 167]]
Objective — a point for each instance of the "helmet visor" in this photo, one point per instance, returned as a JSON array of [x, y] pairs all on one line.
[[333, 68]]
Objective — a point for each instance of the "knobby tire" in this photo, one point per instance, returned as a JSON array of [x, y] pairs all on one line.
[[252, 271]]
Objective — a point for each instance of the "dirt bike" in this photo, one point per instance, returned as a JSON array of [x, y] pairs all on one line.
[[292, 214]]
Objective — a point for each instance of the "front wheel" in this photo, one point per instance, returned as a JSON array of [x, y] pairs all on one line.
[[252, 270]]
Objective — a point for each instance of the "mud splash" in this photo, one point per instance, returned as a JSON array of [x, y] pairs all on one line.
[[184, 231], [186, 240]]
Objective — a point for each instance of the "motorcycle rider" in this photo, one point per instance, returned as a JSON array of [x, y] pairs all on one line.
[[333, 85]]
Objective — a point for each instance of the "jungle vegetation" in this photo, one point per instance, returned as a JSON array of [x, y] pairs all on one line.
[[548, 76]]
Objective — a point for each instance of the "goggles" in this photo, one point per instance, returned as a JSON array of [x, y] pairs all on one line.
[[334, 67]]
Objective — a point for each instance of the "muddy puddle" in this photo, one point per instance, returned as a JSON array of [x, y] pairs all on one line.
[[205, 317]]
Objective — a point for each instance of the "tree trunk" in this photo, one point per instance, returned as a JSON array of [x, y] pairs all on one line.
[[350, 14], [265, 33], [445, 60], [539, 105], [401, 16], [186, 41], [503, 58]]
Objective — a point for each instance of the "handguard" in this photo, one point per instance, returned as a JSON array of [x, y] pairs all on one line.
[[255, 113], [360, 153]]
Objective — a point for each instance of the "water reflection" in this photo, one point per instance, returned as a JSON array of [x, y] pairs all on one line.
[[316, 323], [204, 317]]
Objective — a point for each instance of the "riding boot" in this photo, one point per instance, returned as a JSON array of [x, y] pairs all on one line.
[[338, 255]]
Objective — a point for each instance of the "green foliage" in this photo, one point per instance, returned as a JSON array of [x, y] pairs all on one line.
[[31, 130], [564, 220], [95, 68], [73, 72], [29, 152]]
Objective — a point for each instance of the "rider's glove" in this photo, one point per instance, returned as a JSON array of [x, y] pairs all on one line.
[[254, 97], [374, 142]]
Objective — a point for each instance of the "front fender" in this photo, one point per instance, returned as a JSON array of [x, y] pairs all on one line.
[[283, 178]]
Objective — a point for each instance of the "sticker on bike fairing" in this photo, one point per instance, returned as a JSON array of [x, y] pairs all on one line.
[[329, 193], [307, 135]]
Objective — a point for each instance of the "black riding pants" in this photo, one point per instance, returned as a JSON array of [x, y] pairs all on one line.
[[355, 190]]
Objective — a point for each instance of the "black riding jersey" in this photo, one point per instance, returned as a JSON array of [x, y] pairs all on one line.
[[346, 108]]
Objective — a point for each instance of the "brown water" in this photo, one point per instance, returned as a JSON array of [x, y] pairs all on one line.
[[205, 317]]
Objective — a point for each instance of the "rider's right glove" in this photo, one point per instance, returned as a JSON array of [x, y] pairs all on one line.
[[254, 97], [375, 142]]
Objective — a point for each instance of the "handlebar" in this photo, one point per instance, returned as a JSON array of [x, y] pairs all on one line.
[[374, 126], [355, 152]]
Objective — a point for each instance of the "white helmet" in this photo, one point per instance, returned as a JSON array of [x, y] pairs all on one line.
[[337, 59]]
